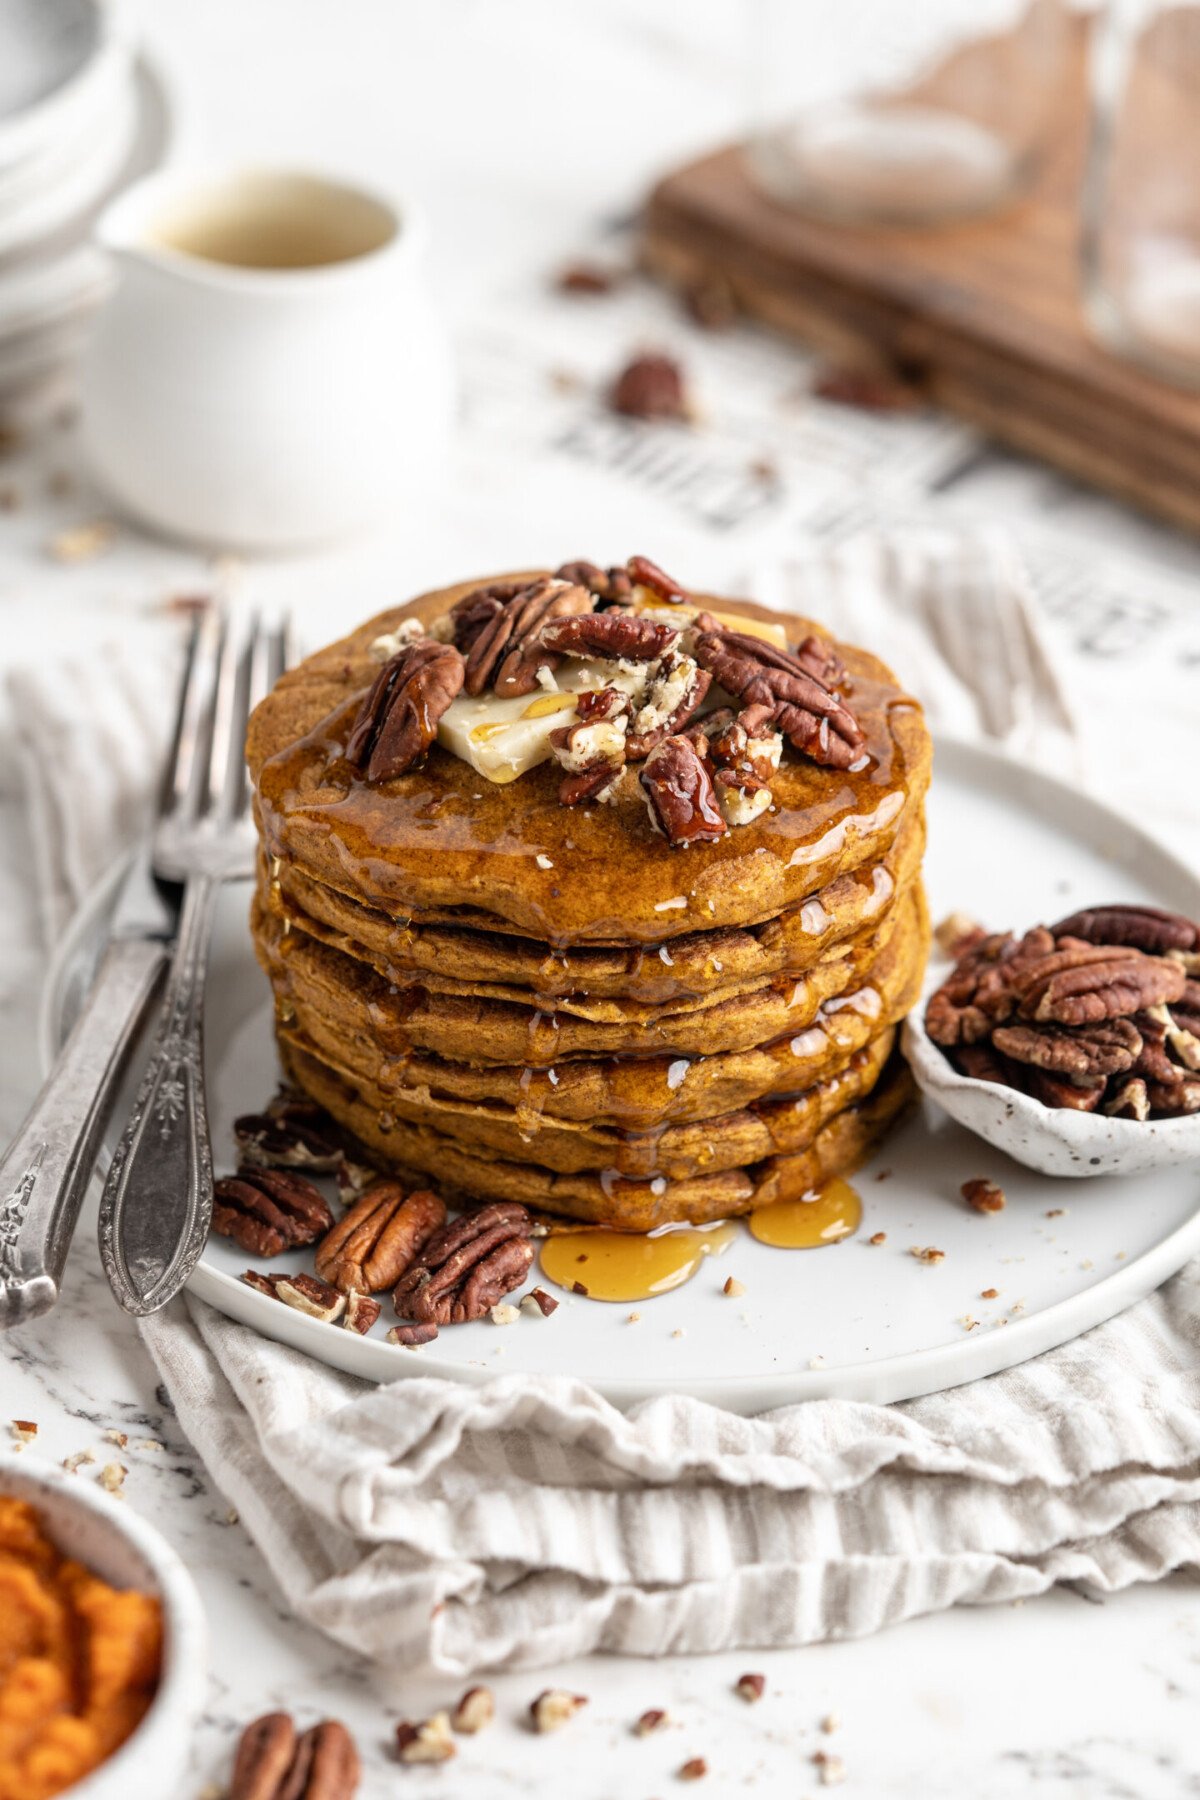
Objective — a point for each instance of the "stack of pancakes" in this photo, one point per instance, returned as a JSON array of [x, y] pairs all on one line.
[[513, 999]]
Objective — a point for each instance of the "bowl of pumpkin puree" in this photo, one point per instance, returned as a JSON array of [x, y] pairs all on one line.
[[102, 1644]]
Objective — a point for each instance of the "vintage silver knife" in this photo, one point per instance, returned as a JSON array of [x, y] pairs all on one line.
[[45, 1171]]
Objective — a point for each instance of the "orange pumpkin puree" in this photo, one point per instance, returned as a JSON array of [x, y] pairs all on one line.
[[79, 1661]]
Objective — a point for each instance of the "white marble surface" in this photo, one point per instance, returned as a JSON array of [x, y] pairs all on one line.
[[577, 105]]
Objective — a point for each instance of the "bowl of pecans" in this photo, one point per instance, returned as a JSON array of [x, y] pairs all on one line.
[[1074, 1048]]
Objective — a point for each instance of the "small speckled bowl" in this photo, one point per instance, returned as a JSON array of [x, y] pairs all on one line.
[[122, 1549], [1054, 1140]]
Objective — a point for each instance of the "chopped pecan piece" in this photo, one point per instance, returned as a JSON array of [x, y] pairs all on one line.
[[594, 783], [811, 717], [507, 652], [1109, 1048], [1130, 1101], [678, 786], [650, 387], [617, 636], [398, 719], [674, 693], [465, 1268], [744, 763], [475, 1710], [553, 1707], [545, 1303], [647, 574], [262, 1284], [265, 1211], [376, 1241], [1080, 984], [428, 1742], [983, 1195], [411, 1337], [361, 1313], [588, 278], [1146, 928], [307, 1294]]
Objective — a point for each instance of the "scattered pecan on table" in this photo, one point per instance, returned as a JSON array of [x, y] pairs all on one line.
[[1100, 1011], [678, 786], [651, 386], [467, 1266], [266, 1211], [378, 1239], [399, 716], [808, 713], [274, 1762]]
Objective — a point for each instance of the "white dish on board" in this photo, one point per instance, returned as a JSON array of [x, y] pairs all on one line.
[[852, 1319]]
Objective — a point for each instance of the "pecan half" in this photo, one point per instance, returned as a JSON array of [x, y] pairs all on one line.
[[272, 1763], [614, 636], [265, 1211], [467, 1266], [469, 615], [610, 585], [1109, 1048], [291, 1134], [398, 718], [811, 717], [506, 652], [1080, 984], [1146, 928], [978, 993], [1059, 1090], [678, 786], [821, 660], [647, 574], [675, 692], [412, 1337], [650, 387], [374, 1244]]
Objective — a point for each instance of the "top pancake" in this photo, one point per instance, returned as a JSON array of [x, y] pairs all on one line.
[[443, 836]]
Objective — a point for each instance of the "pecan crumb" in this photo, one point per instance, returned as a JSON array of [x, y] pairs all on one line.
[[475, 1709], [112, 1477], [553, 1707], [750, 1687], [76, 1460], [831, 1723], [539, 1298], [878, 1237], [119, 1438], [653, 1719], [989, 1293], [427, 1742], [81, 543], [734, 1288], [694, 1769], [24, 1430], [870, 390], [504, 1313], [832, 1768], [587, 278], [985, 1196], [928, 1254], [1056, 1212]]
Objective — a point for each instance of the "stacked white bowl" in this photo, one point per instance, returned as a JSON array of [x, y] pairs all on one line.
[[80, 116]]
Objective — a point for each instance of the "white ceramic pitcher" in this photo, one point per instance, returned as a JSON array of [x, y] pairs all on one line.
[[269, 371]]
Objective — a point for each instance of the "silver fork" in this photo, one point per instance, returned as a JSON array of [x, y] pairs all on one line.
[[157, 1200]]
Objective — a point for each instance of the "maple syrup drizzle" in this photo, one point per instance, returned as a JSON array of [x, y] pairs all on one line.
[[826, 1216], [629, 1265]]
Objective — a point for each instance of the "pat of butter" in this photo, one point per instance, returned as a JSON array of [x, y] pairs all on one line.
[[503, 738]]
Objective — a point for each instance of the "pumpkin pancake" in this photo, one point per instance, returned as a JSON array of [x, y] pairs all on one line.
[[441, 836], [698, 963], [470, 1028], [424, 1155]]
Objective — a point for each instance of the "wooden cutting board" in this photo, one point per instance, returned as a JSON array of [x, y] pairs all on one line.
[[987, 315]]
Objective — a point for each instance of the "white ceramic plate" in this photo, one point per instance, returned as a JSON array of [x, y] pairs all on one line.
[[1007, 844]]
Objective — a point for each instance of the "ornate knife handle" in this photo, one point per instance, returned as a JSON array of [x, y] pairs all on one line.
[[157, 1200], [45, 1171]]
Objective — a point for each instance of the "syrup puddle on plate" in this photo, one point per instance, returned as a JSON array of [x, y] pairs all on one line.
[[831, 1213], [629, 1265]]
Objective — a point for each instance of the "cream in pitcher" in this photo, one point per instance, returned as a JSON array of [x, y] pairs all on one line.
[[268, 371]]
